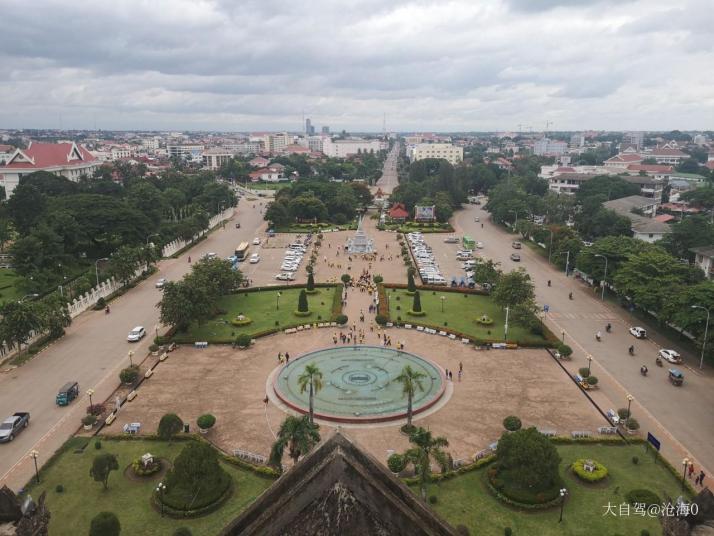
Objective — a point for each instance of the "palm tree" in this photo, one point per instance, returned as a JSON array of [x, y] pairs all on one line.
[[296, 433], [411, 380], [425, 448], [312, 378]]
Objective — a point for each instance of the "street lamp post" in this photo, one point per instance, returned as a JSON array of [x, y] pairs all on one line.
[[550, 249], [515, 223], [685, 464], [96, 267], [604, 279], [160, 490], [34, 454], [590, 360], [563, 494], [130, 353], [505, 334], [277, 300], [443, 299], [90, 392], [567, 261], [706, 332], [630, 398]]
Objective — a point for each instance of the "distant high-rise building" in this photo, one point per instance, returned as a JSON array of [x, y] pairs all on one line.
[[309, 129], [635, 139], [548, 147], [325, 129]]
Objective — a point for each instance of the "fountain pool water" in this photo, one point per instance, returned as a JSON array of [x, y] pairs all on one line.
[[359, 383]]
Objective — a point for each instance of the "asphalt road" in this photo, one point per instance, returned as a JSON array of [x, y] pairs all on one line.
[[389, 179], [685, 412], [95, 349]]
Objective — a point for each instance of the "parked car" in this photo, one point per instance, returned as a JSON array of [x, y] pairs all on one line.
[[161, 283], [254, 258], [285, 276], [477, 219], [67, 393], [256, 241], [516, 244], [515, 257], [640, 333], [670, 355], [13, 425], [479, 245], [451, 239], [136, 334]]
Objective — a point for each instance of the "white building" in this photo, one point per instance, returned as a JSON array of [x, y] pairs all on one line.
[[548, 147], [451, 153], [120, 151], [634, 139], [274, 143], [345, 148], [315, 143], [645, 228], [215, 157], [704, 258], [185, 150], [67, 159]]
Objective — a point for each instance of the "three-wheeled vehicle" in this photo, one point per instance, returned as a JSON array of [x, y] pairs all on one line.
[[676, 376], [67, 393]]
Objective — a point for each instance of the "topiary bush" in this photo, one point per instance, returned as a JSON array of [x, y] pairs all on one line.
[[140, 469], [642, 496], [377, 279], [599, 472], [302, 302], [101, 304], [206, 421], [512, 423], [129, 375], [241, 320], [169, 425], [583, 371], [507, 531], [592, 380], [380, 319], [623, 413], [105, 524], [433, 499], [632, 424], [396, 463], [484, 320], [243, 340], [98, 445], [644, 532], [341, 319], [565, 350], [59, 488], [635, 460]]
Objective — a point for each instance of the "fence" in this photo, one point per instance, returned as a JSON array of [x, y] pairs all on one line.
[[178, 245]]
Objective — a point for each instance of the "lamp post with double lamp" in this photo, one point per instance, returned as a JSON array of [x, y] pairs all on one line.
[[34, 455], [277, 300], [706, 332], [443, 299], [590, 360], [630, 398], [604, 279], [563, 494], [685, 463], [96, 267], [130, 353], [160, 490], [567, 261], [90, 392]]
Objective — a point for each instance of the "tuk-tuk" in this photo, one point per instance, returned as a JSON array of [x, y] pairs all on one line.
[[676, 376], [69, 392]]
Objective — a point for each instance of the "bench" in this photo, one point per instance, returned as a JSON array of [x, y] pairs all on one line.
[[548, 433], [200, 344], [132, 428], [250, 456], [607, 430], [580, 433], [408, 326]]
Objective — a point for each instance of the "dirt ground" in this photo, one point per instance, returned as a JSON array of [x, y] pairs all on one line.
[[231, 384]]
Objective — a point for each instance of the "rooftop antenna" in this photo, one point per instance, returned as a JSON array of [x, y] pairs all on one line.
[[548, 124]]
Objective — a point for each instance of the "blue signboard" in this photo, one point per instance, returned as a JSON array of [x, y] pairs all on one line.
[[652, 440]]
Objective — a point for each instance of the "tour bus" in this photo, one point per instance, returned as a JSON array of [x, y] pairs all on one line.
[[242, 251]]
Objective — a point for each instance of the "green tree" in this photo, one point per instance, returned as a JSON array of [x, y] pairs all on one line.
[[307, 207], [302, 306], [411, 380], [169, 425], [487, 271], [278, 213], [102, 466], [298, 434], [26, 206], [54, 315], [528, 458], [19, 321], [311, 379], [196, 472], [513, 288], [411, 286], [310, 282], [105, 524], [425, 448], [123, 264], [215, 277], [416, 303], [690, 232], [608, 186]]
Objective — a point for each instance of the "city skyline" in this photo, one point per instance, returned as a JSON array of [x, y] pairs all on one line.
[[501, 65]]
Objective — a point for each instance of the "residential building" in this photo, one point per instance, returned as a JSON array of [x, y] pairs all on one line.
[[622, 161], [636, 139], [215, 157], [274, 143], [704, 258], [121, 151], [259, 162], [577, 141], [700, 140], [345, 148], [6, 151], [664, 155], [650, 187], [314, 143], [294, 148], [645, 228], [548, 147], [451, 153], [193, 151], [568, 182], [67, 159], [267, 174]]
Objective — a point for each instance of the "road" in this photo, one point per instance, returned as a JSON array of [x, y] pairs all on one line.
[[389, 179], [685, 412], [93, 351]]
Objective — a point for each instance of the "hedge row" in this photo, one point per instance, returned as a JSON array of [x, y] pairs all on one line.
[[198, 512], [438, 477], [526, 506]]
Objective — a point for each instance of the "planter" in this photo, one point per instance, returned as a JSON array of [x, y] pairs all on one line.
[[203, 431], [88, 427]]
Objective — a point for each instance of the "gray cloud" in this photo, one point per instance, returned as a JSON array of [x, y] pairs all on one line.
[[455, 65]]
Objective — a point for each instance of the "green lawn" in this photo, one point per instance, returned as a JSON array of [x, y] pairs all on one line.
[[84, 498], [460, 313], [466, 500], [260, 307], [8, 285]]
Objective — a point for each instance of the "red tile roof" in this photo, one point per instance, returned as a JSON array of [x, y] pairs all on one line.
[[650, 168], [667, 152], [664, 218], [398, 212], [625, 158], [48, 155]]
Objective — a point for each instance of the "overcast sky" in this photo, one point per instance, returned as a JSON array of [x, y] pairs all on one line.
[[428, 65]]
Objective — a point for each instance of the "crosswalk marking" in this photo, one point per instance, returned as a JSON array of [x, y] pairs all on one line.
[[582, 316]]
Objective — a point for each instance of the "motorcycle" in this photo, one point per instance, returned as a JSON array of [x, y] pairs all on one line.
[[631, 349], [643, 370], [548, 282], [659, 362], [608, 328], [106, 310], [570, 296], [598, 337]]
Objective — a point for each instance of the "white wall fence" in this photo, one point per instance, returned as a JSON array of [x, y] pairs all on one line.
[[89, 299], [178, 245]]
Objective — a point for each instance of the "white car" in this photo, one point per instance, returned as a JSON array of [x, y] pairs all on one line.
[[254, 258], [479, 245], [285, 276], [477, 219], [640, 333], [451, 239], [136, 334], [256, 241], [161, 282], [670, 355]]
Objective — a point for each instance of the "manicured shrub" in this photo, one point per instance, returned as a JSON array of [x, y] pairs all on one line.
[[512, 423], [243, 340], [632, 424], [101, 304], [642, 496], [623, 413], [105, 524], [89, 420], [154, 348], [462, 530], [59, 488], [341, 319], [302, 302], [96, 409], [205, 422], [102, 466], [310, 282], [377, 279], [380, 319], [396, 463], [196, 479], [416, 304], [97, 445], [346, 278], [129, 374], [507, 531], [565, 350], [583, 371], [182, 531], [635, 460], [141, 470], [599, 472], [644, 532], [169, 425], [411, 286], [592, 380], [433, 499]]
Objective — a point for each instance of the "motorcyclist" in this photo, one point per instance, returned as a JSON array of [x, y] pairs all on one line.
[[643, 370], [631, 349], [548, 282], [106, 310], [658, 361], [608, 328], [570, 296], [598, 335]]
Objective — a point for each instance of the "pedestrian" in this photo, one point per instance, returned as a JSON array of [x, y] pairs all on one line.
[[691, 470], [460, 373], [701, 478], [280, 357], [446, 372], [451, 375], [287, 358], [461, 366]]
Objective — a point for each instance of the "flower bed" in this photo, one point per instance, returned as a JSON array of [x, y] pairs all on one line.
[[589, 470]]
